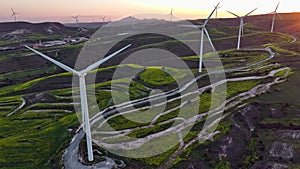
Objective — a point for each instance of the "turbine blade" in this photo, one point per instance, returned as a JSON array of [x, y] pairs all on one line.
[[12, 10], [233, 14], [206, 21], [65, 67], [95, 65], [207, 34], [250, 12], [278, 15], [277, 6]]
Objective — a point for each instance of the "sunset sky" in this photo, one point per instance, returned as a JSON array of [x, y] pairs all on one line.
[[93, 10]]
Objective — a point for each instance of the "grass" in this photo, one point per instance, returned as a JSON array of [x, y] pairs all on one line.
[[161, 76], [38, 37], [252, 153], [234, 88], [281, 73], [223, 164], [277, 49], [26, 73], [30, 137], [286, 122], [151, 130], [41, 106]]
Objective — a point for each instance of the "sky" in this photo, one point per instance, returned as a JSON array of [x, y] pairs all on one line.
[[93, 10]]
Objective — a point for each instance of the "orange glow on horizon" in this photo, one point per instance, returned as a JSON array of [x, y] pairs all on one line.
[[93, 10]]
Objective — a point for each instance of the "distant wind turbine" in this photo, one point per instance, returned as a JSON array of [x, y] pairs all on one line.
[[14, 14], [217, 10], [76, 19], [203, 31], [103, 18], [274, 16], [83, 96], [171, 15], [241, 30]]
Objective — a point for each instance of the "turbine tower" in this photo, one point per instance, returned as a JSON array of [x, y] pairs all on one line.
[[241, 29], [274, 16], [83, 96], [76, 19], [203, 31], [14, 14], [217, 10]]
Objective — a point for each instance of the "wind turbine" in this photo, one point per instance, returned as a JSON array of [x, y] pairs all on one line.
[[14, 14], [274, 16], [217, 10], [171, 15], [83, 96], [76, 19], [103, 18], [203, 31], [241, 30]]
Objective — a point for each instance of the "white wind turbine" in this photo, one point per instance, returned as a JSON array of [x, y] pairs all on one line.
[[241, 30], [274, 16], [203, 31], [217, 7], [14, 14], [76, 19], [83, 96], [171, 15], [103, 18]]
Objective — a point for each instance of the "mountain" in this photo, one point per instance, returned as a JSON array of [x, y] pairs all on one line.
[[19, 30], [42, 28]]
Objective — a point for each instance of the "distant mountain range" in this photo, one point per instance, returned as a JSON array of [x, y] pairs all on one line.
[[10, 30]]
